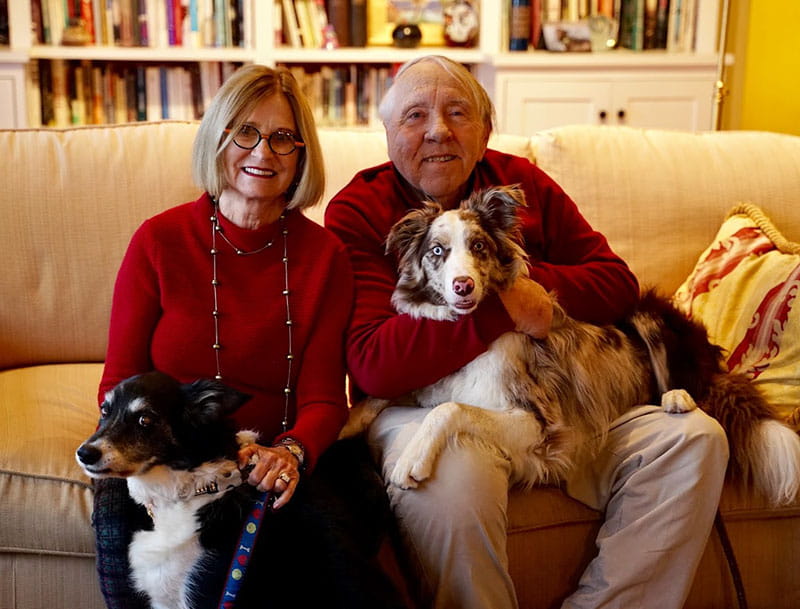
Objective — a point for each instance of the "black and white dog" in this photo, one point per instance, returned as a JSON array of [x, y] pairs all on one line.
[[543, 402], [177, 447]]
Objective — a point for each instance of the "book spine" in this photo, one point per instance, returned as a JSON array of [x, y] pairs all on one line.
[[140, 94], [34, 93], [519, 25], [358, 23], [536, 23], [292, 28], [61, 110], [339, 18], [87, 14]]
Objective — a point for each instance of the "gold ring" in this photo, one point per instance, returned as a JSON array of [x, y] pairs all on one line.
[[285, 477]]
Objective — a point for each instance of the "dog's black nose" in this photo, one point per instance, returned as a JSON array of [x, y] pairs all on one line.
[[463, 286], [88, 455]]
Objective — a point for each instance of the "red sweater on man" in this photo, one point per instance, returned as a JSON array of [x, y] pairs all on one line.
[[161, 317], [389, 354]]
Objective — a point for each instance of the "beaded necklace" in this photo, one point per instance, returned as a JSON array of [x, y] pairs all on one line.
[[216, 229]]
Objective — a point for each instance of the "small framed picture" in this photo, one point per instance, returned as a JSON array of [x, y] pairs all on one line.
[[384, 15], [567, 36]]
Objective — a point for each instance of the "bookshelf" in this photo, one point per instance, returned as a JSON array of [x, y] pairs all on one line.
[[543, 88]]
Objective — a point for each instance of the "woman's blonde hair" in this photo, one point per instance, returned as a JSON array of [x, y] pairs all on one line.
[[230, 108]]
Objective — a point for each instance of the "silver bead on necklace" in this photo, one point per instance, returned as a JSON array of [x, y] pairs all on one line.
[[215, 313]]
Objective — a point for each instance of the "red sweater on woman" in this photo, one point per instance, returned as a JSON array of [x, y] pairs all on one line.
[[390, 354], [161, 317]]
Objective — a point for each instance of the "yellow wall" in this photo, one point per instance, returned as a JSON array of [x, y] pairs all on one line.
[[770, 74]]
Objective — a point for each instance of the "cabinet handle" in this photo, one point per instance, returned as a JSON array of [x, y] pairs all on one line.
[[621, 115], [603, 114]]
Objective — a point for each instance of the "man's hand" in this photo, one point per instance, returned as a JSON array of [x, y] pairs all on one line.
[[530, 306]]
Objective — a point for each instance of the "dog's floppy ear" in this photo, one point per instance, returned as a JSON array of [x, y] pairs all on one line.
[[497, 207], [210, 400], [411, 228]]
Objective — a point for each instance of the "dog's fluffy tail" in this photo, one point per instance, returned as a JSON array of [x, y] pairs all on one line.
[[765, 453]]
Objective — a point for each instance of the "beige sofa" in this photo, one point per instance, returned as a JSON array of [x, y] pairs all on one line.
[[72, 198]]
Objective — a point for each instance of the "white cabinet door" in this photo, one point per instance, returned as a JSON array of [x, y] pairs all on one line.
[[532, 104], [12, 96], [527, 103], [664, 104]]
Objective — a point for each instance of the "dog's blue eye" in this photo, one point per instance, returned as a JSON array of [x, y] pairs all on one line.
[[437, 250], [145, 421]]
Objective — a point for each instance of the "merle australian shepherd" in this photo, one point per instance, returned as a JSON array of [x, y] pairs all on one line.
[[177, 447], [544, 401]]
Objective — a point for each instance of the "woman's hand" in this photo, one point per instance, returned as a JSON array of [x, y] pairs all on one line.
[[275, 469], [529, 306]]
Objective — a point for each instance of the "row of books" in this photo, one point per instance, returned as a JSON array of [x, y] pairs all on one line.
[[147, 23], [345, 96], [81, 92], [196, 23], [63, 93], [640, 24], [315, 24], [658, 24]]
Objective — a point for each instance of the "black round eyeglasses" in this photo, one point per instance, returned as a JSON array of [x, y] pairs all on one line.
[[280, 141]]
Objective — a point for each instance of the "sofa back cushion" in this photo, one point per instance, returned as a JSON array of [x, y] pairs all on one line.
[[71, 200], [660, 196]]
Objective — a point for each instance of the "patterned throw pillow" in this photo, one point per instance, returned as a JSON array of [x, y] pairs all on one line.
[[744, 289]]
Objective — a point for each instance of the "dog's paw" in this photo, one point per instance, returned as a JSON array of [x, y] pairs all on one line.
[[415, 465], [402, 477], [245, 437], [677, 401]]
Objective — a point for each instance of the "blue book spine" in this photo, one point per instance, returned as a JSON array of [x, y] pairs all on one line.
[[520, 25]]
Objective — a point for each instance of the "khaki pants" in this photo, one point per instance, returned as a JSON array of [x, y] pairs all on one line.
[[658, 478]]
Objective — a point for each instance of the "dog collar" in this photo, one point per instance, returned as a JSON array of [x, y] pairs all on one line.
[[207, 489]]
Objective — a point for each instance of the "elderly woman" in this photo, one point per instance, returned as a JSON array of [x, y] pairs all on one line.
[[239, 285]]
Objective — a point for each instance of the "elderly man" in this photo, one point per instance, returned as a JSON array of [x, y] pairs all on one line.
[[657, 478]]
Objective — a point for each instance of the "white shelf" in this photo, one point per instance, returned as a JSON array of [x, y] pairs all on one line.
[[140, 54], [618, 58], [371, 55]]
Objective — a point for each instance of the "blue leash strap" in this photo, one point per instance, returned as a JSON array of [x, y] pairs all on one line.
[[243, 552]]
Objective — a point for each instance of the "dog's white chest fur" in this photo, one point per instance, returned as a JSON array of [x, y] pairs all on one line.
[[484, 381], [162, 559]]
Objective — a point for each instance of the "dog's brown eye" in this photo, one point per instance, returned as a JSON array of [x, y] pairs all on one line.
[[145, 421], [478, 246], [105, 410]]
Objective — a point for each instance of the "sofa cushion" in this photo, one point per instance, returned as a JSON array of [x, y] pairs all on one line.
[[658, 195], [77, 195], [45, 413], [744, 288]]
